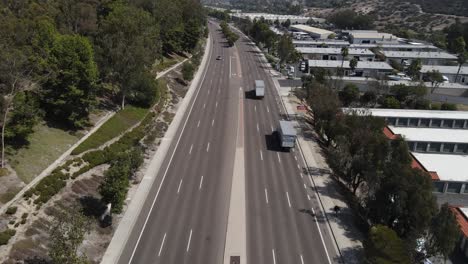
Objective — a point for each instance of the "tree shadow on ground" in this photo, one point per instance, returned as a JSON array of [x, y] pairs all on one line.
[[92, 206], [37, 260]]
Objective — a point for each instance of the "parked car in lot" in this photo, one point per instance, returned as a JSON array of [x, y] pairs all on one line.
[[399, 77]]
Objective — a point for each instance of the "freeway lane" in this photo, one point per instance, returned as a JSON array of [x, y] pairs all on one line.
[[187, 222], [277, 189]]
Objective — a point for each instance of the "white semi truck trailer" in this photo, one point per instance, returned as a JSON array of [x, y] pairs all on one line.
[[287, 134], [259, 88]]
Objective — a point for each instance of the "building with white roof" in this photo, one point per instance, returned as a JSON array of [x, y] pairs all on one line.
[[323, 43], [427, 58], [438, 141], [335, 54], [273, 17], [449, 71], [370, 37], [397, 47], [363, 69], [314, 32]]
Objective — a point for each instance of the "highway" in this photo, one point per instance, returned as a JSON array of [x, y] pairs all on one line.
[[280, 197], [184, 218], [187, 222]]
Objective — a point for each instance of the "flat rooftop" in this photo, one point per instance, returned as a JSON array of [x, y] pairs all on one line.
[[444, 69], [410, 113], [310, 29], [419, 55], [334, 51], [394, 46], [432, 134], [448, 167], [376, 65], [319, 42], [372, 35]]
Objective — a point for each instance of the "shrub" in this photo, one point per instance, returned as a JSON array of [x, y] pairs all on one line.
[[448, 106], [24, 216], [6, 235], [11, 210]]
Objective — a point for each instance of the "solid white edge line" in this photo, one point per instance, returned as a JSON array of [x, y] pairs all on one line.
[[180, 184], [162, 245], [266, 195], [289, 201], [170, 161], [201, 182], [189, 239]]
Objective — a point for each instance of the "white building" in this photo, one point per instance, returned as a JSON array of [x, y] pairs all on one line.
[[438, 141], [324, 43], [316, 33], [273, 17], [427, 58], [335, 54], [371, 69], [397, 47], [370, 37], [449, 71]]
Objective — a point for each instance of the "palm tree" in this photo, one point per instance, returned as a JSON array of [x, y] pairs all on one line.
[[353, 64], [461, 60], [344, 54]]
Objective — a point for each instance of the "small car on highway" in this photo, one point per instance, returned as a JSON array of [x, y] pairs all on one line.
[[218, 58]]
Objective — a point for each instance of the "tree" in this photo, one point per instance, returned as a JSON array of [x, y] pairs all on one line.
[[461, 59], [383, 246], [128, 42], [444, 232], [115, 185], [187, 71], [369, 98], [349, 94], [15, 77], [23, 117], [448, 106], [436, 78], [287, 23], [353, 63], [344, 54], [70, 91], [143, 89], [391, 102], [66, 235], [287, 53], [414, 69]]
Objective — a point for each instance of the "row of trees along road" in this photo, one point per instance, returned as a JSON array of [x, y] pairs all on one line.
[[230, 36], [384, 189], [60, 58]]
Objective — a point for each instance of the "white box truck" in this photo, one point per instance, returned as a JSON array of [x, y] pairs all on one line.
[[259, 88], [287, 134]]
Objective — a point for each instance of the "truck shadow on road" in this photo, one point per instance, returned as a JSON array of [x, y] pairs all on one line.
[[272, 142], [250, 94]]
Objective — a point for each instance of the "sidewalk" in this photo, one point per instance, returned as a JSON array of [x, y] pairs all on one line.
[[347, 237]]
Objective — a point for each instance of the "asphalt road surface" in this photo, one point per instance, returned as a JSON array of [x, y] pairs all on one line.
[[184, 219], [188, 221], [281, 204]]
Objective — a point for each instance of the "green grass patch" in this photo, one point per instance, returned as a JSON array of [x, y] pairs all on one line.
[[166, 63], [115, 126], [46, 145]]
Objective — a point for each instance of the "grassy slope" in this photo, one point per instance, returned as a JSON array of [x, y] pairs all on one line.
[[46, 145], [120, 122]]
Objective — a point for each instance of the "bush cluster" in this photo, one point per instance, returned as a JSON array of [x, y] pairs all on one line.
[[6, 235]]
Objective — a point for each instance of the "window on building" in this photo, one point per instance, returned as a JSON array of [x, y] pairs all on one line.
[[421, 146], [434, 147], [448, 147], [413, 122], [438, 186], [454, 187], [402, 122], [466, 188], [411, 146], [391, 121], [459, 123], [462, 148], [436, 122], [424, 122], [447, 123]]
